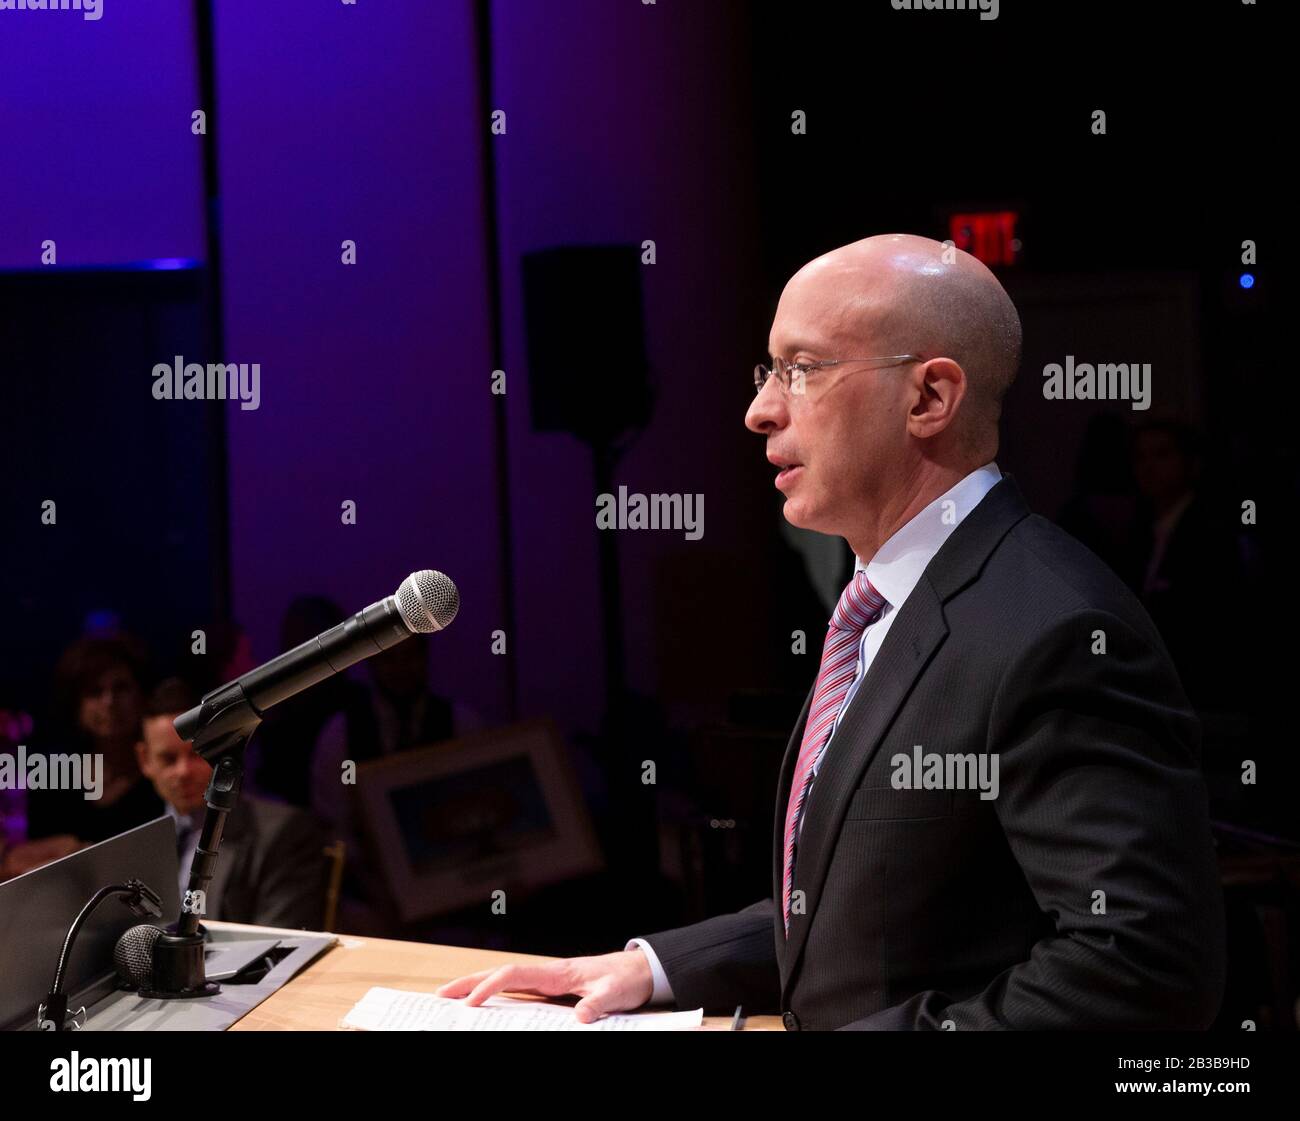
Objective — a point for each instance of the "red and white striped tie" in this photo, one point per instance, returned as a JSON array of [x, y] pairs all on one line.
[[860, 605]]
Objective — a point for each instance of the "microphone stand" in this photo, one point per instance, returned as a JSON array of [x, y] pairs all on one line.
[[220, 728], [144, 902]]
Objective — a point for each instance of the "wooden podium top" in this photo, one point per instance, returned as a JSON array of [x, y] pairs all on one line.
[[323, 993]]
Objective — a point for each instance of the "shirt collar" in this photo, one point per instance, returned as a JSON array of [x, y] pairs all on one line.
[[183, 821], [898, 564]]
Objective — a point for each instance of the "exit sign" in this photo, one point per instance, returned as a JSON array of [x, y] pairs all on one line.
[[988, 236]]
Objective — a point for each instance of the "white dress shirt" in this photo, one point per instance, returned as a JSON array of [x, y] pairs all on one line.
[[894, 571]]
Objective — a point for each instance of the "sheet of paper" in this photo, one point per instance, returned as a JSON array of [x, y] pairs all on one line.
[[397, 1010]]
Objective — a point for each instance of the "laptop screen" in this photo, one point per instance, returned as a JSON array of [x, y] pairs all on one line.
[[37, 908]]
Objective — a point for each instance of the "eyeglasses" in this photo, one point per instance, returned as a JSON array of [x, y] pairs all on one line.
[[796, 373]]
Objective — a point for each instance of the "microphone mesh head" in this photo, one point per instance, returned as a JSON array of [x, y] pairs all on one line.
[[427, 601], [133, 955]]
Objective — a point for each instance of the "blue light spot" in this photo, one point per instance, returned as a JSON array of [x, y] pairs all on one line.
[[1247, 281]]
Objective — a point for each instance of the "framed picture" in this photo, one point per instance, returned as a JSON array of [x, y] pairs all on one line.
[[456, 820]]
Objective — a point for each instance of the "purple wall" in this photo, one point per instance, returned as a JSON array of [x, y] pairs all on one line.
[[95, 131], [619, 116], [362, 122], [385, 364], [358, 123]]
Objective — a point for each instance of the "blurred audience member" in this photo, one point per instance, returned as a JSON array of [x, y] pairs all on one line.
[[280, 757], [15, 729], [227, 654], [1190, 573], [1102, 511], [270, 868], [16, 854], [99, 693], [395, 711]]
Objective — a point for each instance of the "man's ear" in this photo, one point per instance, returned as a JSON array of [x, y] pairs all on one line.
[[942, 388], [142, 756]]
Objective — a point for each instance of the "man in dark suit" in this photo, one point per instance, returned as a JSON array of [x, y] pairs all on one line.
[[271, 867], [990, 813]]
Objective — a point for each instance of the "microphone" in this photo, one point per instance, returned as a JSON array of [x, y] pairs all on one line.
[[427, 601], [133, 956], [170, 966]]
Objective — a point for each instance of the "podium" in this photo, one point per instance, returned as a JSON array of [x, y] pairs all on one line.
[[325, 991]]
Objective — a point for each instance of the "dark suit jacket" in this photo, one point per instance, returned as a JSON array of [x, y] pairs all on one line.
[[271, 867], [927, 906]]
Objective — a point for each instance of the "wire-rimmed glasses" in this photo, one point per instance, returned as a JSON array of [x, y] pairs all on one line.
[[796, 373]]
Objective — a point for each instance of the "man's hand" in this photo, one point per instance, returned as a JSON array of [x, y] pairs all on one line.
[[615, 982]]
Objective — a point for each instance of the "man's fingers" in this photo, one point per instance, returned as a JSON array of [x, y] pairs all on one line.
[[547, 980], [459, 986], [594, 1006], [479, 986]]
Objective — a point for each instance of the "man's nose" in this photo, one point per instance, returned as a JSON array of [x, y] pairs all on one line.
[[768, 409]]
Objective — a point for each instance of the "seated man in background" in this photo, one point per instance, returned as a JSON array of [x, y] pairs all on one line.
[[271, 865], [393, 711]]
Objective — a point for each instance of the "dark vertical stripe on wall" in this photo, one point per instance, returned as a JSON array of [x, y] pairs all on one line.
[[219, 506], [491, 239]]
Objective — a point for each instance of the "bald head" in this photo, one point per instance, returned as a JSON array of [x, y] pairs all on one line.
[[861, 448], [902, 294]]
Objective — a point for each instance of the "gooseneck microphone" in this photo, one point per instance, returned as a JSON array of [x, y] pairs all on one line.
[[427, 601], [170, 965]]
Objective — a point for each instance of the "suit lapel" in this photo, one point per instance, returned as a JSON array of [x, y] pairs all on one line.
[[913, 637]]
